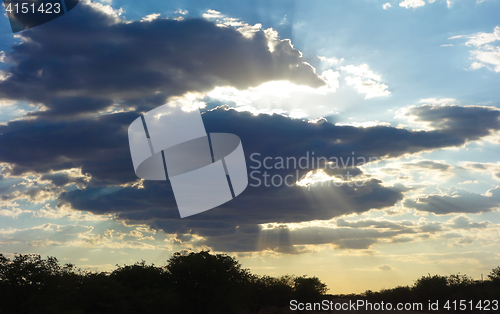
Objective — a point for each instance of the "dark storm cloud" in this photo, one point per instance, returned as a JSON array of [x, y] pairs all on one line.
[[64, 107], [470, 122], [62, 179], [85, 59], [460, 201], [254, 206], [100, 147], [279, 136], [325, 140]]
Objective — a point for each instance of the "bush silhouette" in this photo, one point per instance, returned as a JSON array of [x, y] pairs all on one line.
[[431, 287], [206, 283], [309, 289], [495, 276]]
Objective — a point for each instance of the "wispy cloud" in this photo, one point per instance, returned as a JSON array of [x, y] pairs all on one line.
[[486, 52]]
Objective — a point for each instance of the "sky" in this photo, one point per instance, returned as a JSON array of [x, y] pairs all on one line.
[[392, 106]]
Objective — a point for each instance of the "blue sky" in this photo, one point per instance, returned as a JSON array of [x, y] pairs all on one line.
[[412, 84]]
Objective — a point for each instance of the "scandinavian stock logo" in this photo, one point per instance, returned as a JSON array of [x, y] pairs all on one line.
[[25, 14], [205, 170]]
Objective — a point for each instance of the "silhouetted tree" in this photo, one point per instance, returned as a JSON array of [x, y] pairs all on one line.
[[35, 285], [207, 283], [145, 287], [271, 292], [495, 275], [309, 289], [431, 287]]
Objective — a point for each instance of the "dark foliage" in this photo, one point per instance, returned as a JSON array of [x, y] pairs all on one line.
[[195, 283], [189, 283], [444, 289]]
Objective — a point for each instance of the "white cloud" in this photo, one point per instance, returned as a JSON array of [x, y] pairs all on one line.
[[44, 235], [106, 9], [469, 182], [245, 29], [481, 39], [212, 14], [386, 6], [67, 212], [364, 124], [412, 3], [151, 17], [488, 57], [11, 209], [369, 87], [224, 21], [362, 70], [6, 102], [330, 61], [4, 75], [331, 79], [486, 54], [476, 65], [365, 81]]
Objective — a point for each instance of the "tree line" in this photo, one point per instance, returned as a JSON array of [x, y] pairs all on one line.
[[190, 282], [197, 282], [476, 296]]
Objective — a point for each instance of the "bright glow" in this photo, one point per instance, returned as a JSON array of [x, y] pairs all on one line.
[[188, 102], [271, 97], [313, 177], [412, 4]]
